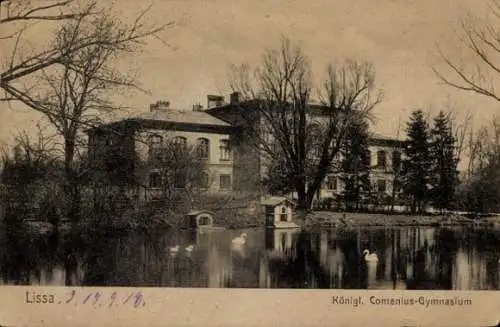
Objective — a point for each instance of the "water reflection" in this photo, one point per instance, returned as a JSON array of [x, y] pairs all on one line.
[[409, 258]]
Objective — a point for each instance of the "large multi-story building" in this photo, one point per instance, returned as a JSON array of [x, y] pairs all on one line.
[[235, 164], [138, 137]]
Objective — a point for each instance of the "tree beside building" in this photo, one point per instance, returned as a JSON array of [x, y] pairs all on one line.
[[444, 174], [417, 163], [355, 165]]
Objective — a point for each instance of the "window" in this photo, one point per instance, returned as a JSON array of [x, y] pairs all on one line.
[[202, 148], [368, 158], [180, 142], [204, 181], [225, 150], [180, 180], [155, 141], [381, 185], [154, 179], [225, 182], [284, 214], [396, 160], [331, 183], [381, 159]]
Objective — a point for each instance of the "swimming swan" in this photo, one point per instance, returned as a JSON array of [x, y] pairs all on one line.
[[370, 257], [174, 249], [240, 240]]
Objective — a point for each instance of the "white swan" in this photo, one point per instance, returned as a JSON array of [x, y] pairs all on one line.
[[370, 257], [240, 240], [174, 249], [190, 248]]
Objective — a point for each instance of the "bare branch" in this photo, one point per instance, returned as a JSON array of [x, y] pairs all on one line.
[[483, 41], [123, 38], [302, 139], [43, 12]]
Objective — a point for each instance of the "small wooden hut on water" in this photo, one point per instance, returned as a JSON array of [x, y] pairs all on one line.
[[278, 212]]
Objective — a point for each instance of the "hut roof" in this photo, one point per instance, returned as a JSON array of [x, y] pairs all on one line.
[[199, 212], [274, 200]]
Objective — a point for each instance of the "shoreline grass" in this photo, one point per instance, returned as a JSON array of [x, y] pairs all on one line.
[[311, 220], [338, 219]]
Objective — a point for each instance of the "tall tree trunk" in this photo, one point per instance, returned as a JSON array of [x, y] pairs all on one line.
[[312, 189], [300, 186], [72, 187]]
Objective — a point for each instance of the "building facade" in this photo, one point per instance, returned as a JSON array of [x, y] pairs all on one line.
[[218, 133], [385, 153], [135, 140]]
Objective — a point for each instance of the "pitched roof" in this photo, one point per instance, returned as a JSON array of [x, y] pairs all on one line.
[[181, 116], [273, 200], [378, 136]]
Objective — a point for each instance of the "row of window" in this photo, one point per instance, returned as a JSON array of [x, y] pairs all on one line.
[[332, 184], [155, 181], [382, 159], [202, 146]]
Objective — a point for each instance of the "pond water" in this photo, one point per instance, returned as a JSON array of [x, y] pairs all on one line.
[[409, 258]]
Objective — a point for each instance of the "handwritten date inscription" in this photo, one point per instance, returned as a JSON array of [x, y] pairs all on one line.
[[95, 299]]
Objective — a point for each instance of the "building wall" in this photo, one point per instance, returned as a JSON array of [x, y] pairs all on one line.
[[247, 159], [216, 165], [246, 166], [386, 173], [377, 173], [250, 165]]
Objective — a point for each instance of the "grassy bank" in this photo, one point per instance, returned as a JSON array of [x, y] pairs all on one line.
[[233, 220], [326, 219]]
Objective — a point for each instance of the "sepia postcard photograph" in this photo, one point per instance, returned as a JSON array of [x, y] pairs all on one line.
[[250, 144]]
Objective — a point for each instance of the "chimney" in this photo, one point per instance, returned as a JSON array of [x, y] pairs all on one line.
[[234, 98], [214, 101], [159, 105], [197, 107]]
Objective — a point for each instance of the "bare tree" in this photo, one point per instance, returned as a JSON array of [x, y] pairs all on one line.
[[18, 17], [396, 168], [73, 88], [30, 174], [460, 131], [178, 168], [304, 141], [479, 192], [33, 156], [482, 39]]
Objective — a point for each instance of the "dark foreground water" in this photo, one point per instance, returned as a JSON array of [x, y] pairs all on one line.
[[409, 258]]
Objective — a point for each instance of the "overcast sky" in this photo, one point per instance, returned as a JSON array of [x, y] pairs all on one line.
[[399, 37]]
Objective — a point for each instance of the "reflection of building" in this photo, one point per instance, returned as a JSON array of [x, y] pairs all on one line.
[[331, 259], [469, 271], [219, 269], [280, 245], [281, 242]]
